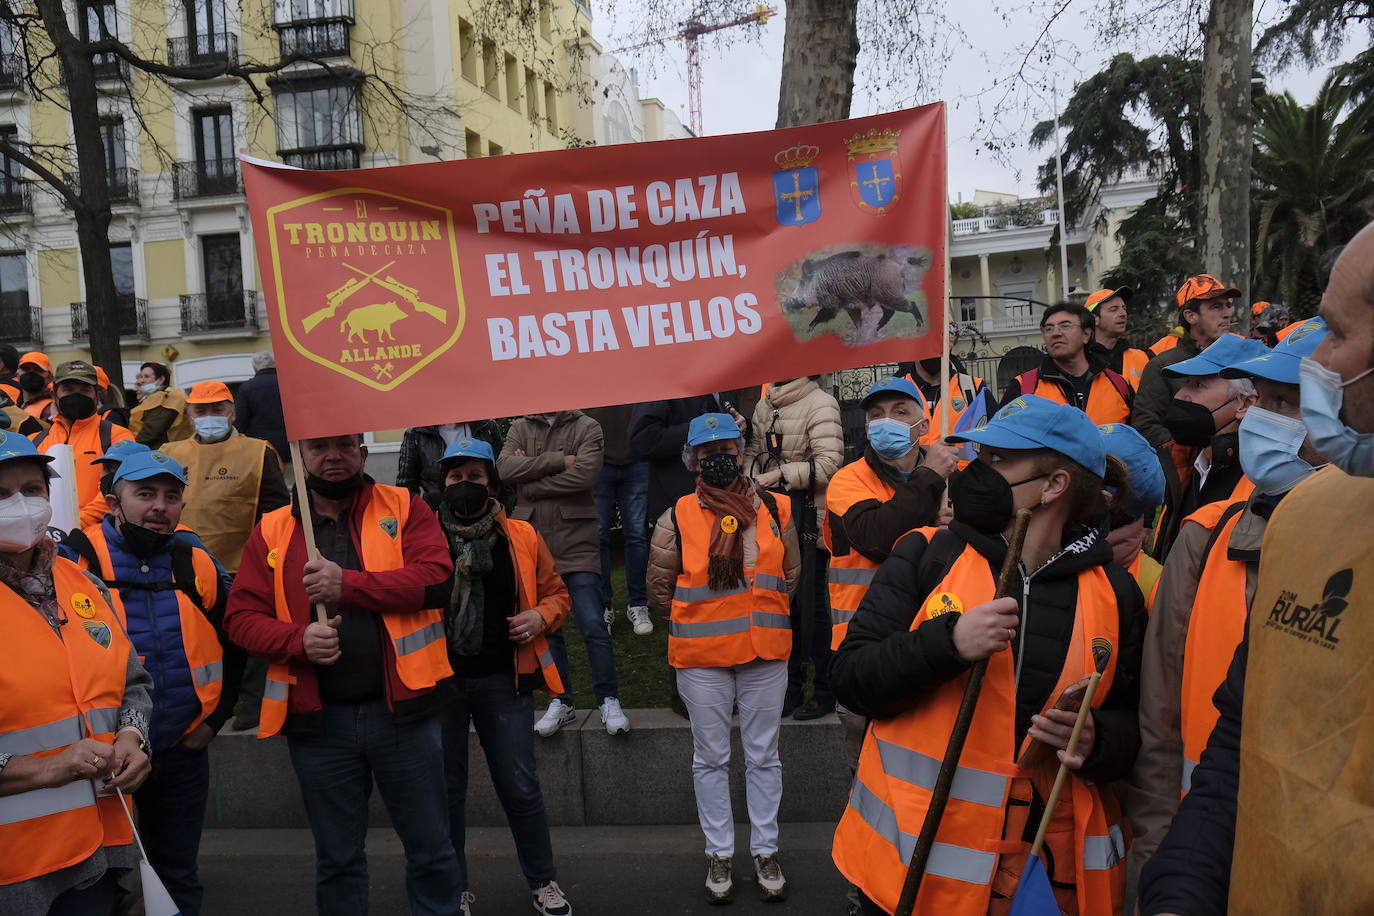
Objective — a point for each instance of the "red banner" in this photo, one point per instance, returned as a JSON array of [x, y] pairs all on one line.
[[480, 288]]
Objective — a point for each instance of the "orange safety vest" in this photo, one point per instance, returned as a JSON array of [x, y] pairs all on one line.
[[89, 438], [901, 757], [417, 637], [534, 655], [1109, 395], [708, 628], [964, 388], [1133, 362], [850, 573], [204, 654], [39, 406], [56, 689], [1167, 342], [1215, 628]]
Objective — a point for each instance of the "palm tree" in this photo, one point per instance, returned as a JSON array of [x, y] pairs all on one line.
[[1313, 174]]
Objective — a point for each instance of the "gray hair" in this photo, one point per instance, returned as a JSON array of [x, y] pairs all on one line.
[[1240, 388], [689, 454], [264, 359]]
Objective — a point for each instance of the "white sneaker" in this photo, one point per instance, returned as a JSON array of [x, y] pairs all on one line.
[[772, 885], [644, 623], [608, 614], [555, 717], [465, 903], [613, 717], [719, 883], [550, 901]]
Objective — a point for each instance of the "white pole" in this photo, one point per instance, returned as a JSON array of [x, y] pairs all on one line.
[[1059, 177]]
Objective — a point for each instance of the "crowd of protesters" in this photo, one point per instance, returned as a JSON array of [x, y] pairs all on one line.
[[1169, 490]]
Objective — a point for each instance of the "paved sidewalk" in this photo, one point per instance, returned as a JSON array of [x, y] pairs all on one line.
[[604, 870]]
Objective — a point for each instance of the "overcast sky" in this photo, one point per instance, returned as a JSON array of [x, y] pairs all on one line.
[[740, 80]]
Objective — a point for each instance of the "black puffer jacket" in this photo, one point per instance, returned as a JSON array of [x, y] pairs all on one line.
[[883, 668]]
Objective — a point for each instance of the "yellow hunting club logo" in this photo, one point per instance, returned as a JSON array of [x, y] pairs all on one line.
[[367, 282]]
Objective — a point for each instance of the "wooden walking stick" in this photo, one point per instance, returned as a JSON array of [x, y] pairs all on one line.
[[1083, 709], [944, 780], [307, 521]]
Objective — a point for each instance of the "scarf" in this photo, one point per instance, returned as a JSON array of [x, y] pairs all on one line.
[[35, 584], [471, 545], [734, 510]]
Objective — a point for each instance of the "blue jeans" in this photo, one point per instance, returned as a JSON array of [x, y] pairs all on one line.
[[585, 590], [626, 486], [171, 813], [502, 717], [362, 742]]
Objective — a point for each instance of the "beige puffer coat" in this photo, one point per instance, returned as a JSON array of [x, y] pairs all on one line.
[[808, 420]]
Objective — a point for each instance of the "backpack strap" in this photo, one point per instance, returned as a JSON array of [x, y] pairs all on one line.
[[105, 435], [1231, 512], [1122, 387], [38, 439], [1030, 381], [81, 545], [184, 573]]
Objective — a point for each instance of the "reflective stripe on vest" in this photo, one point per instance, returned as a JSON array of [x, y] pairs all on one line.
[[274, 690], [36, 803], [710, 628], [901, 757], [1215, 628], [414, 642], [850, 573], [852, 576]]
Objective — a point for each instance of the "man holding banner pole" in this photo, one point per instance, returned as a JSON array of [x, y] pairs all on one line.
[[355, 695]]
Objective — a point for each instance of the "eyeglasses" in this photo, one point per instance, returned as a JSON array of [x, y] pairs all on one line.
[[1063, 327]]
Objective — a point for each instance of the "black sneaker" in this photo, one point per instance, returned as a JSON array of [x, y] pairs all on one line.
[[813, 709]]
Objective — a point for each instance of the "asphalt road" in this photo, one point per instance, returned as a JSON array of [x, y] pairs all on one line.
[[603, 870]]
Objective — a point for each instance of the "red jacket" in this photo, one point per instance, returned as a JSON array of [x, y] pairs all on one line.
[[251, 618]]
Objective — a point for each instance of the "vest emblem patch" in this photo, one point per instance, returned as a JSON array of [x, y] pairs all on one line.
[[943, 603], [273, 557], [1102, 652], [81, 603], [99, 632], [390, 525]]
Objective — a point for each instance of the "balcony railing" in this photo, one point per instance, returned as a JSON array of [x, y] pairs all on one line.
[[324, 157], [315, 37], [997, 222], [21, 324], [16, 196], [12, 66], [122, 184], [203, 50], [207, 313], [132, 317], [206, 178]]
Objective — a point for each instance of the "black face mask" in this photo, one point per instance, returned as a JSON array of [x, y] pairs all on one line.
[[982, 497], [1191, 424], [334, 489], [32, 382], [719, 470], [931, 365], [465, 498], [76, 406], [143, 542]]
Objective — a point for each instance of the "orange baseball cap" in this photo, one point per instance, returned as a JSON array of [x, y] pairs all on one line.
[[1204, 286], [1257, 308], [102, 378], [209, 393], [1102, 295], [38, 359]]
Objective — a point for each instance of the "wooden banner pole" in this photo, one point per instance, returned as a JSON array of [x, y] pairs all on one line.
[[307, 520]]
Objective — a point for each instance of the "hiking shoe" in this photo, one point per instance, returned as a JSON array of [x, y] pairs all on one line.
[[639, 616], [555, 717], [465, 903], [608, 615], [772, 885], [550, 901], [719, 883], [613, 717]]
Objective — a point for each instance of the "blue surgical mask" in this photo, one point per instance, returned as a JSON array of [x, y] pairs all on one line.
[[212, 428], [890, 438], [1269, 444], [1323, 392], [148, 388]]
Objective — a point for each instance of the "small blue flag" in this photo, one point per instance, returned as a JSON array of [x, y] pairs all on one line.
[[1034, 896], [976, 414]]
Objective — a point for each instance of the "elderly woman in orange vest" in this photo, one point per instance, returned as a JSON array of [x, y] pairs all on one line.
[[930, 615], [723, 562], [506, 595], [74, 706]]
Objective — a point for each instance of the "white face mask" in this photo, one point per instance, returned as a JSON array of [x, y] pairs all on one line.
[[23, 520], [212, 428], [1269, 446], [149, 388], [1323, 393]]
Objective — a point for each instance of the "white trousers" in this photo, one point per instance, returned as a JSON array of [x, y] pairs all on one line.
[[710, 694]]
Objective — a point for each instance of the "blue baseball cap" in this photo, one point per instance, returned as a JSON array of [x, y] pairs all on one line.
[[712, 427], [468, 447], [13, 446], [1142, 462], [143, 465], [1227, 351], [120, 451], [897, 384], [1281, 363], [1032, 422]]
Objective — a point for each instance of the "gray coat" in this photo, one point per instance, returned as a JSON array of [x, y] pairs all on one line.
[[556, 499]]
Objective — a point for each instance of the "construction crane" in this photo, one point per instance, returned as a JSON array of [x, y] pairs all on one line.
[[691, 33]]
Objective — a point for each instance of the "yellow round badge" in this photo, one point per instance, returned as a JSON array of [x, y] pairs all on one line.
[[943, 603], [81, 603], [729, 524], [273, 556]]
